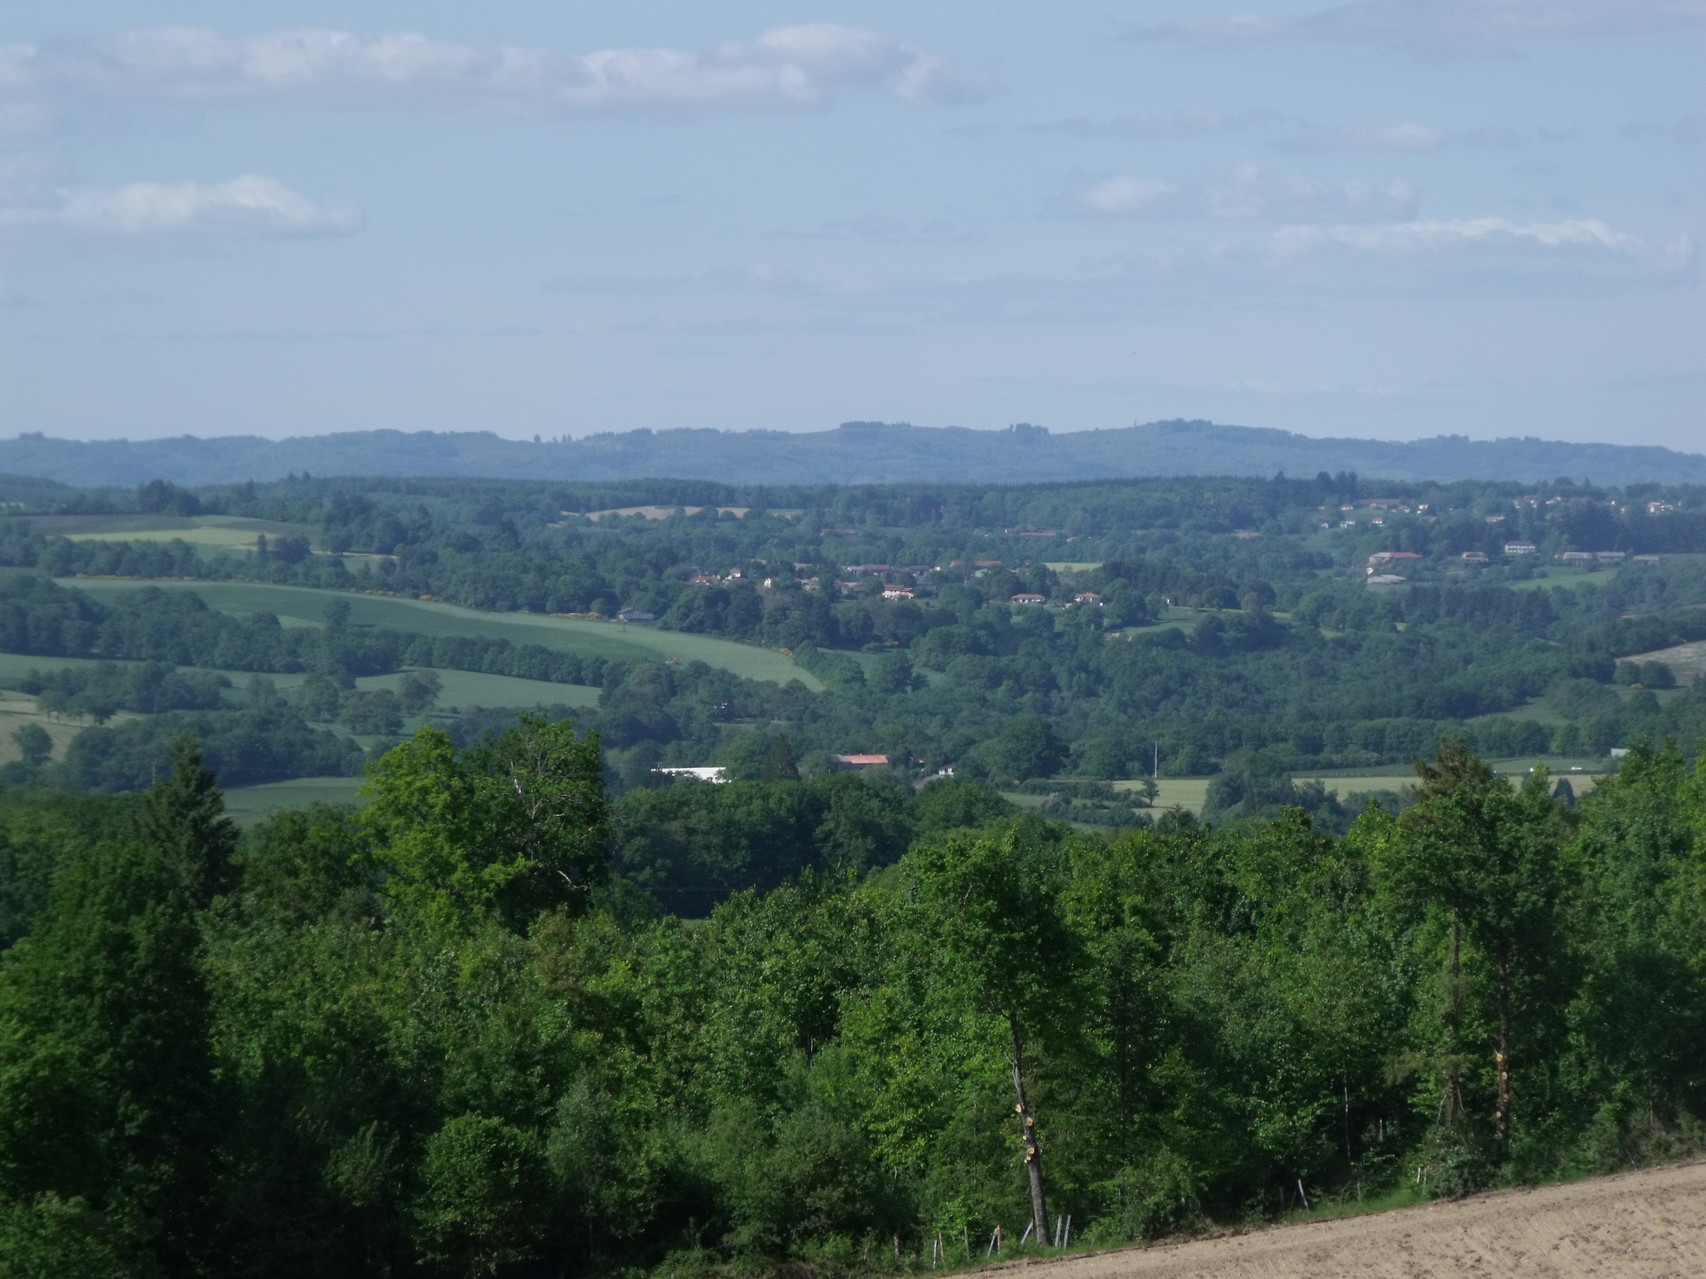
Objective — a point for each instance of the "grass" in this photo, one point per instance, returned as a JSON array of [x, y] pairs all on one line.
[[1352, 781], [1189, 793], [1560, 577], [1326, 1209], [217, 532], [247, 805], [1686, 661], [432, 618], [19, 709], [472, 688]]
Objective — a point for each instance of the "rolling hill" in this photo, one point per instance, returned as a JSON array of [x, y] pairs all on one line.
[[853, 453]]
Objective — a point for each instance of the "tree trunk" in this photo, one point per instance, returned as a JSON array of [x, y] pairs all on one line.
[[1452, 1103], [1028, 1127], [1502, 1056]]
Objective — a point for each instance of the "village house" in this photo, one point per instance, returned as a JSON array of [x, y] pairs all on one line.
[[1087, 597], [1575, 557], [898, 593], [1385, 579], [1473, 557], [1520, 548], [1386, 557], [862, 761], [1646, 561], [1029, 597], [1611, 557]]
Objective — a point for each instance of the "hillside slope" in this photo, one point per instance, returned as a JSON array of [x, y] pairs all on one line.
[[1646, 1224], [853, 453]]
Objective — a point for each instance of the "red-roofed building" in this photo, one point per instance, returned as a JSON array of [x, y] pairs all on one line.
[[862, 761]]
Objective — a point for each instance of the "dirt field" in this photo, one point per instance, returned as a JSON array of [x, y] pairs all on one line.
[[1645, 1224]]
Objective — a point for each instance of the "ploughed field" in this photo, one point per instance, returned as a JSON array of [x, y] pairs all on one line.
[[1646, 1224]]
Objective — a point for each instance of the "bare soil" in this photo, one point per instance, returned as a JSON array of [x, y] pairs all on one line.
[[1646, 1224]]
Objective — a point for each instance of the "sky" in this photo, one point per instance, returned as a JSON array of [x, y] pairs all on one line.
[[1383, 218]]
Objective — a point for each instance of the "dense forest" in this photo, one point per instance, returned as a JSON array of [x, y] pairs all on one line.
[[935, 969], [445, 1036]]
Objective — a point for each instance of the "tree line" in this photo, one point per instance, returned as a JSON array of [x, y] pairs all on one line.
[[448, 1036]]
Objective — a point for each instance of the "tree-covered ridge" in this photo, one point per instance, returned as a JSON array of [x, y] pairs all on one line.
[[855, 452], [437, 1039]]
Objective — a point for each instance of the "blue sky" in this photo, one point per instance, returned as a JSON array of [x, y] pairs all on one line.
[[1386, 218]]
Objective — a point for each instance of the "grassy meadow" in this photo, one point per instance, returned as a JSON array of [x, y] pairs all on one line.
[[429, 617], [474, 688], [247, 805], [212, 532]]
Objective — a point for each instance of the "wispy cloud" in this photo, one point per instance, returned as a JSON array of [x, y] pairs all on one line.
[[1491, 253], [784, 67], [1442, 28], [758, 279], [251, 205], [1250, 192], [1190, 122], [1690, 131], [1290, 133]]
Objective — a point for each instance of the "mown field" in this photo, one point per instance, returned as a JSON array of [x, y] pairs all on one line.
[[17, 710], [1188, 793], [473, 688], [429, 617], [216, 532], [247, 805]]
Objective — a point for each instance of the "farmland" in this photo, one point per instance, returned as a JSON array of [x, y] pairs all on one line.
[[212, 532], [250, 804], [583, 636]]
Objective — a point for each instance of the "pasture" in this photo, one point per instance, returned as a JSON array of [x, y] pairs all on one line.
[[17, 710], [1686, 661], [1189, 793], [610, 640], [505, 692], [247, 805], [208, 532]]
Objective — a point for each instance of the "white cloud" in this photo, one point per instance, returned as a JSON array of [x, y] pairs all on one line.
[[1449, 28], [786, 67], [243, 206], [1250, 192]]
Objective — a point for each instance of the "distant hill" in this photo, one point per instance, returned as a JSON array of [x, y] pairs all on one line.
[[853, 453]]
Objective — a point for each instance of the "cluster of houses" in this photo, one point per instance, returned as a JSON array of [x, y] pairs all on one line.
[[1379, 564], [896, 582]]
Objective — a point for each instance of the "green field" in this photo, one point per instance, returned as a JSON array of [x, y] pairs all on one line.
[[1347, 782], [1560, 577], [17, 710], [14, 666], [1686, 661], [472, 688], [249, 804], [430, 617], [218, 532], [1188, 793]]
